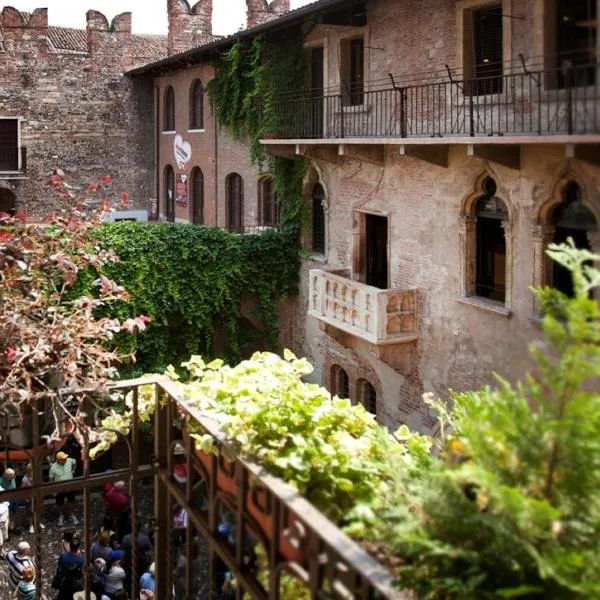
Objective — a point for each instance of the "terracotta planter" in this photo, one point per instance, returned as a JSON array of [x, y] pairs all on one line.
[[257, 505]]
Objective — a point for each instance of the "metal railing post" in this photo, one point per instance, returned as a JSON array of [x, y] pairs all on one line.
[[568, 75], [342, 132]]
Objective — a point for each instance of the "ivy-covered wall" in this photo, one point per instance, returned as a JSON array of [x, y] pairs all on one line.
[[191, 280]]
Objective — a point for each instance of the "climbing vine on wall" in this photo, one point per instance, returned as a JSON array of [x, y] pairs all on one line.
[[250, 76], [190, 281]]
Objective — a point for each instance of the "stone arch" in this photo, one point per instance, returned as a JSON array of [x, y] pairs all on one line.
[[313, 178], [468, 238], [543, 212], [544, 229]]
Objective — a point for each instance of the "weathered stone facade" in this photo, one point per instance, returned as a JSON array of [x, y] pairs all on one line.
[[77, 110], [428, 192]]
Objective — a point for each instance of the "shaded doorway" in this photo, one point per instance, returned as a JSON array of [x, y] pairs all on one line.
[[376, 251]]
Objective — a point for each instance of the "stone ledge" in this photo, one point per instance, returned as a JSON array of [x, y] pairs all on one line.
[[486, 305]]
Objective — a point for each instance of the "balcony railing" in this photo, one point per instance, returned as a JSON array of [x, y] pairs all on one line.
[[561, 101], [375, 315], [9, 159], [260, 510]]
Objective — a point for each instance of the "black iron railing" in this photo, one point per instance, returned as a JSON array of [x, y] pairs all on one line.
[[259, 511], [556, 101]]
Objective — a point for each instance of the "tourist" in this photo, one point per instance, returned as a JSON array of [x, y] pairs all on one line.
[[17, 560], [101, 547], [146, 595], [8, 481], [117, 500], [4, 518], [26, 588], [69, 574], [63, 469], [117, 552], [27, 482], [147, 579], [115, 579], [143, 549], [98, 576]]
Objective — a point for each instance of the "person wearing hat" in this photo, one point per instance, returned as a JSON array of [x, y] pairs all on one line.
[[63, 469]]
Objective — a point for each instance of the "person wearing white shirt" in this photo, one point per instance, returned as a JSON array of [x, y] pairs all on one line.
[[4, 517]]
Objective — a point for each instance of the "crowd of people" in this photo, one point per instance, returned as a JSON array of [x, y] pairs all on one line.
[[110, 553]]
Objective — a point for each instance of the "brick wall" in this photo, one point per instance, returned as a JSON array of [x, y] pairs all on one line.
[[79, 111], [262, 11]]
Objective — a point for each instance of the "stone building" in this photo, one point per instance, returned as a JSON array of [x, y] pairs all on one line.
[[65, 101], [448, 142]]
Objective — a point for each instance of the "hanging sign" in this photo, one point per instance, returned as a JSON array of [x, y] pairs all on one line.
[[183, 152]]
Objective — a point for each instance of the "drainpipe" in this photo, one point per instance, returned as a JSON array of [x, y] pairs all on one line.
[[216, 170]]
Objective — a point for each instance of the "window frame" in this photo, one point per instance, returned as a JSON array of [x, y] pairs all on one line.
[[362, 387], [18, 159], [196, 106], [169, 110], [319, 248], [267, 197], [237, 200]]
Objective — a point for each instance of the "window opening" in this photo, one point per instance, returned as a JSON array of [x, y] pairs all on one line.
[[197, 105], [576, 35], [169, 113], [376, 255], [353, 71], [368, 396], [491, 212], [9, 145], [318, 219], [7, 202], [571, 219], [235, 200], [268, 204], [339, 382], [484, 50], [197, 196]]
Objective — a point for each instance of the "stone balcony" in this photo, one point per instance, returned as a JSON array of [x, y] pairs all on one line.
[[380, 317]]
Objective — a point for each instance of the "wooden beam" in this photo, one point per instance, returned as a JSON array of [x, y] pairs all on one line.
[[507, 156], [435, 155]]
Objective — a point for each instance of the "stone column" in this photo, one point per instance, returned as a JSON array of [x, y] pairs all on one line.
[[542, 235], [468, 251], [508, 276]]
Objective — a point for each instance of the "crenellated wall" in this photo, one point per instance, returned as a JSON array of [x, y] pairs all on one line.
[[78, 110], [189, 26], [262, 11]]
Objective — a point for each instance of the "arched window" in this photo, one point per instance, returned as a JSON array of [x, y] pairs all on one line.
[[197, 196], [367, 395], [169, 109], [318, 219], [234, 191], [268, 207], [340, 385], [570, 219], [197, 105], [169, 190], [490, 266]]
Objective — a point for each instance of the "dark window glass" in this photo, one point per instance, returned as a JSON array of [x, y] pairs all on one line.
[[491, 245], [318, 219], [487, 46], [9, 145], [571, 219], [169, 186], [353, 70], [367, 396], [339, 382], [169, 110], [197, 196], [197, 105], [576, 34], [234, 185], [268, 205]]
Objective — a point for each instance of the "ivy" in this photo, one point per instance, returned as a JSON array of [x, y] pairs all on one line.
[[190, 281], [250, 76]]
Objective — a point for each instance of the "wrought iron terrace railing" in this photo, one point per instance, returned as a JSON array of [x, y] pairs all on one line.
[[522, 101], [260, 510]]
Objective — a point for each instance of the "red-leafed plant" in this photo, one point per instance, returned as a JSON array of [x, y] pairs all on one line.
[[51, 339]]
